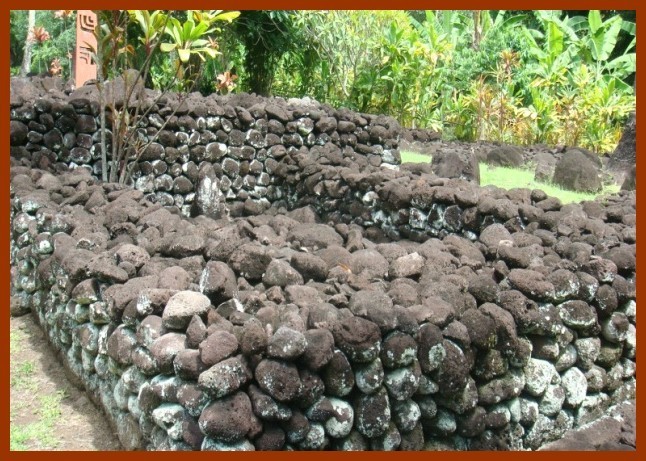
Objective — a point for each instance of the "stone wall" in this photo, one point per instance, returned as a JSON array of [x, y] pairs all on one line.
[[277, 331], [353, 307], [237, 142]]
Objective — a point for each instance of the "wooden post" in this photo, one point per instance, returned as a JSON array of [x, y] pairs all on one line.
[[84, 65]]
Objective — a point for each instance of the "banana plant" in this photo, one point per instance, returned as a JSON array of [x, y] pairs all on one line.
[[441, 32], [595, 41], [553, 58], [603, 35], [602, 42], [485, 24]]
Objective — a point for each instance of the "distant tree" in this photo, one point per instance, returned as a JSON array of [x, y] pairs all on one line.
[[266, 36], [29, 42]]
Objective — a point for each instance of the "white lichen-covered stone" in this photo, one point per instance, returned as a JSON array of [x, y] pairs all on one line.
[[567, 358], [418, 219], [146, 183], [101, 365], [401, 383], [575, 385], [513, 406], [587, 350], [340, 425], [133, 379], [445, 422], [436, 355], [225, 377], [170, 416], [552, 400], [369, 377], [389, 441], [592, 408], [615, 327], [528, 410], [370, 198], [538, 375], [629, 368], [209, 444], [133, 406], [630, 309], [406, 414], [286, 343], [427, 386], [166, 386], [315, 438]]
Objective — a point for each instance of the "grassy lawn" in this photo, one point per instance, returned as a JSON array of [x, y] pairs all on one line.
[[33, 417], [511, 178]]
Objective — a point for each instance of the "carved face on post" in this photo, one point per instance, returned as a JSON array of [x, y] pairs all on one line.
[[84, 65]]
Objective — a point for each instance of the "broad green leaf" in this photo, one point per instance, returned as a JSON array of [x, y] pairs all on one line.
[[623, 87], [629, 27], [623, 65], [611, 85], [594, 21], [166, 47], [199, 30], [211, 52], [228, 16], [567, 29], [186, 30], [612, 28], [184, 55], [139, 17], [513, 20], [554, 40], [534, 34], [578, 23]]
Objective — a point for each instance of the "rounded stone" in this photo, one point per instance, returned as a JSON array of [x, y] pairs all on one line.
[[227, 419], [182, 306], [278, 379]]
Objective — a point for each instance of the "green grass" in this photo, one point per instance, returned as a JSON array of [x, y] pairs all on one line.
[[39, 434], [39, 431], [512, 178], [23, 376], [16, 337], [414, 157]]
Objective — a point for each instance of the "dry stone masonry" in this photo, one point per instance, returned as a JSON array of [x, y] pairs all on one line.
[[275, 280]]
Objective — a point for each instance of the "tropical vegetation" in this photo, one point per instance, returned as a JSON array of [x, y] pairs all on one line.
[[522, 77]]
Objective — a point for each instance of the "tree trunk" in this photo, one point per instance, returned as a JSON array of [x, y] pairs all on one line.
[[477, 33], [26, 60]]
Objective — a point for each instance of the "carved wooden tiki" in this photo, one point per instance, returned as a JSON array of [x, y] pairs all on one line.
[[84, 65]]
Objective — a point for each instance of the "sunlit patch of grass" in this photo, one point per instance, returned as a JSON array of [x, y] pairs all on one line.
[[23, 376], [16, 338], [414, 157], [512, 178], [40, 434]]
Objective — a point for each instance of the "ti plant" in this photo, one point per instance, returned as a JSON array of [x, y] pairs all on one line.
[[115, 48], [192, 42]]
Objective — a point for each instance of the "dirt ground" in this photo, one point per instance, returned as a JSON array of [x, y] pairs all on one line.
[[47, 412]]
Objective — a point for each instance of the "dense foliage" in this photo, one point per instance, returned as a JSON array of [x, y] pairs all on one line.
[[520, 77]]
